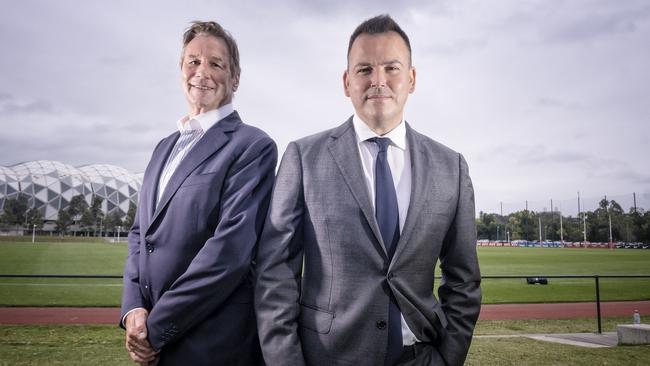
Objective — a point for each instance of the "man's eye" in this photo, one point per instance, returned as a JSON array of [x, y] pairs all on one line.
[[364, 70], [214, 64], [193, 62], [392, 68]]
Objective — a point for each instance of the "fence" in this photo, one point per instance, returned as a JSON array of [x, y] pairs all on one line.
[[596, 286], [532, 278]]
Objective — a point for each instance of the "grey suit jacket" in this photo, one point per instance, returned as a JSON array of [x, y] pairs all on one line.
[[323, 275], [189, 260]]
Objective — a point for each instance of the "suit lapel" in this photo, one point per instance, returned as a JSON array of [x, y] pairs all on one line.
[[212, 140], [422, 180], [344, 151], [152, 175]]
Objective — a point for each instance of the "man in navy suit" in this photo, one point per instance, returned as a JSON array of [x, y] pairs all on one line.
[[188, 292]]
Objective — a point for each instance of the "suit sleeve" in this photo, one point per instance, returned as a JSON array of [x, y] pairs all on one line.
[[225, 259], [131, 296], [279, 267], [459, 291]]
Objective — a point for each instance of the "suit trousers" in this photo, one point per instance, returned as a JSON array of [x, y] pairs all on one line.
[[421, 354]]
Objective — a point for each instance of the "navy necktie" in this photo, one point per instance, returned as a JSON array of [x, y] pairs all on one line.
[[387, 213]]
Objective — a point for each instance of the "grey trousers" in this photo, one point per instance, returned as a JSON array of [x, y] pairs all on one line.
[[421, 354]]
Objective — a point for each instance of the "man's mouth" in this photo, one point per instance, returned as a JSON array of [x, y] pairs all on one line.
[[378, 96], [201, 87]]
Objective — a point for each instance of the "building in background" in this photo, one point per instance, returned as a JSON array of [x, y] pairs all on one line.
[[49, 186]]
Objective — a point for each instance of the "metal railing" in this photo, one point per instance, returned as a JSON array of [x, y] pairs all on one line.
[[596, 286], [595, 277]]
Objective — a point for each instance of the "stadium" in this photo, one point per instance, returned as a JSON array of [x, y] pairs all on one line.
[[49, 187]]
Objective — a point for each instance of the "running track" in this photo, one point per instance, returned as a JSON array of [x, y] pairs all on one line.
[[54, 315]]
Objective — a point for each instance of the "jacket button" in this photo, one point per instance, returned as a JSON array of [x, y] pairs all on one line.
[[381, 324], [149, 248]]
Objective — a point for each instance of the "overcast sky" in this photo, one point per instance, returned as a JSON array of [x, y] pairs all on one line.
[[543, 98]]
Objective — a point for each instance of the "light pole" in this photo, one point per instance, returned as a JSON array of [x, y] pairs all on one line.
[[561, 229], [33, 233], [609, 219], [118, 233], [584, 227]]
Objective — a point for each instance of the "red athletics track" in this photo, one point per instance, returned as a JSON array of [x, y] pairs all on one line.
[[25, 315]]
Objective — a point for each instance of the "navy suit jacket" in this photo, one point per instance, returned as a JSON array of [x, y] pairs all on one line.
[[189, 257]]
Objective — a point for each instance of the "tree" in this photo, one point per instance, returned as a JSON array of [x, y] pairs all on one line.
[[635, 222], [645, 228], [92, 216], [34, 217], [523, 225], [572, 228], [63, 222], [491, 226], [112, 221], [15, 211], [87, 222], [77, 206], [130, 216]]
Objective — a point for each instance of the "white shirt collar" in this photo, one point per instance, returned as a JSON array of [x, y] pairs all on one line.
[[205, 120], [397, 135]]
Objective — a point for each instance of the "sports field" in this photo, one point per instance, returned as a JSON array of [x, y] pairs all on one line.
[[96, 258], [103, 345]]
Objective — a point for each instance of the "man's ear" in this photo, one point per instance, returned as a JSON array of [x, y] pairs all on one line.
[[235, 84], [346, 83], [412, 77]]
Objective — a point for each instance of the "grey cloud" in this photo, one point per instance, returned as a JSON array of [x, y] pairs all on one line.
[[599, 21], [37, 106], [452, 47], [536, 154], [512, 76], [539, 154], [547, 102], [327, 8]]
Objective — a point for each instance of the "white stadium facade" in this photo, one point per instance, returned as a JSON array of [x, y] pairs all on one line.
[[50, 185]]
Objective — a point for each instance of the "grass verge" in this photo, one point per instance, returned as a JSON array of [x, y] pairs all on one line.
[[104, 345]]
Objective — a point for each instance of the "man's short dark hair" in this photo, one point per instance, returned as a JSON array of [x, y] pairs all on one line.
[[215, 30], [379, 24]]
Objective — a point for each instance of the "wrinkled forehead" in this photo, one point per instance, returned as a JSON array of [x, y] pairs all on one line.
[[206, 44]]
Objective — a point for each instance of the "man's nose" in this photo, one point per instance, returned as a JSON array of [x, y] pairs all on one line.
[[378, 79], [201, 70]]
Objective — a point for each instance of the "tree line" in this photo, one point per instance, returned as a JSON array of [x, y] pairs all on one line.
[[633, 226], [84, 218]]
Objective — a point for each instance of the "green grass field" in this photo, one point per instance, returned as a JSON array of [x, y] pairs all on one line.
[[100, 258], [71, 258], [563, 261], [104, 345]]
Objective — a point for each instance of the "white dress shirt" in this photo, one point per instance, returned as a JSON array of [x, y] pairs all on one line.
[[399, 162], [200, 123]]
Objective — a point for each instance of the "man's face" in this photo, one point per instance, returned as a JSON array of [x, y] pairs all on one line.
[[379, 77], [206, 77]]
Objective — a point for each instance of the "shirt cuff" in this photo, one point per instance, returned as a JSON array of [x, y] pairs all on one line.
[[127, 314]]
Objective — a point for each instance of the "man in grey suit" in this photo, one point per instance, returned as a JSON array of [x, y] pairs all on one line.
[[359, 217], [188, 290]]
